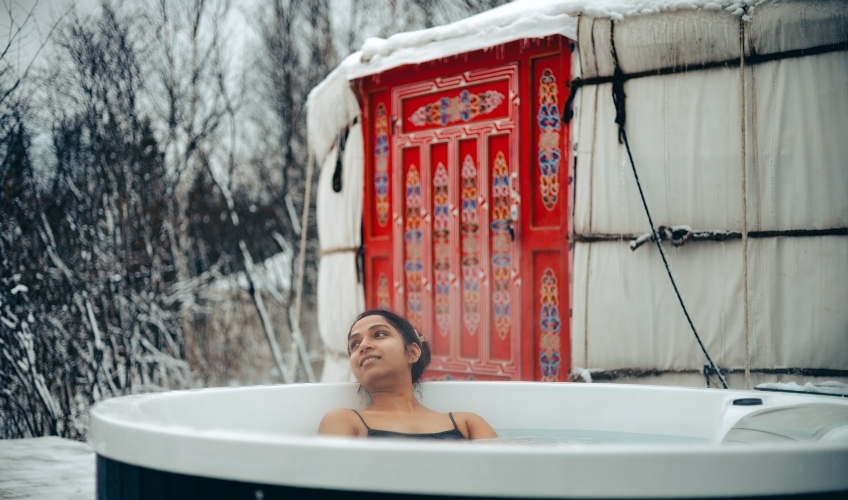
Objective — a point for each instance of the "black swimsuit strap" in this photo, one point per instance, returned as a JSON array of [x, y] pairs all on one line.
[[450, 414], [363, 420]]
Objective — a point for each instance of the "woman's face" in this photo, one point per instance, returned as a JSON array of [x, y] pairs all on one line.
[[377, 351]]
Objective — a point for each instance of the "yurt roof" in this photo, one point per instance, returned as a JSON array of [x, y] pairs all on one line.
[[331, 108], [659, 37], [513, 21]]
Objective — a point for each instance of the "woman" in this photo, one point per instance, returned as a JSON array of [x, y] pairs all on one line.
[[388, 357]]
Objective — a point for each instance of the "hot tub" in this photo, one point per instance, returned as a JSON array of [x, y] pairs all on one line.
[[260, 443]]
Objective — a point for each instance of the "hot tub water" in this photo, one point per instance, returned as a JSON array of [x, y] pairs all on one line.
[[588, 437]]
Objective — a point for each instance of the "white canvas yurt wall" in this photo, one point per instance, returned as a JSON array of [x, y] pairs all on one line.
[[688, 139], [776, 124]]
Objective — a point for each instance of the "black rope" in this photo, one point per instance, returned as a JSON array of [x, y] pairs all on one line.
[[342, 141], [750, 60], [696, 235], [623, 373], [766, 389], [337, 173], [623, 134], [618, 98]]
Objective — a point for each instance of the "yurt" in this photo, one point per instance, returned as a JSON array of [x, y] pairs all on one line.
[[639, 191]]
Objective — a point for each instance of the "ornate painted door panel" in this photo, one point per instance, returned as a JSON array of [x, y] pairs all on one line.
[[544, 223], [467, 207], [377, 221], [456, 150]]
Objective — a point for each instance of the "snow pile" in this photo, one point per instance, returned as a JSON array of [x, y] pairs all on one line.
[[584, 373], [510, 22], [830, 388], [521, 19], [46, 468], [272, 276], [332, 106]]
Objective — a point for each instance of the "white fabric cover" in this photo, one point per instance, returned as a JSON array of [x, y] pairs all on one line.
[[340, 296], [685, 135], [330, 107]]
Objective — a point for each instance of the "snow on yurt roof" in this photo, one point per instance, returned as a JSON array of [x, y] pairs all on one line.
[[331, 105], [513, 21]]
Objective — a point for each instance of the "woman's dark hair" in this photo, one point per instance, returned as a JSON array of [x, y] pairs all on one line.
[[410, 336]]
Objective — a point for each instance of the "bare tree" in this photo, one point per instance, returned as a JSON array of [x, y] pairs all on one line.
[[164, 169], [92, 310], [287, 67], [356, 20]]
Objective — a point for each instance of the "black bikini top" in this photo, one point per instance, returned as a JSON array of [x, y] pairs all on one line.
[[449, 434]]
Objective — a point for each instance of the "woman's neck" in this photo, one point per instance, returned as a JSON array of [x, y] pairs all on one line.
[[400, 398]]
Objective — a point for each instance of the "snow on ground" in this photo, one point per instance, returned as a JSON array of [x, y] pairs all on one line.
[[46, 468], [271, 275]]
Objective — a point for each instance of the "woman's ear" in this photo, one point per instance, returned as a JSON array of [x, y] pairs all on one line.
[[413, 353]]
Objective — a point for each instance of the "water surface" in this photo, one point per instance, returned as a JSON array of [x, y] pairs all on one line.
[[583, 437]]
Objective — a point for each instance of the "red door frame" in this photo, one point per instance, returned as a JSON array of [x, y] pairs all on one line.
[[543, 245]]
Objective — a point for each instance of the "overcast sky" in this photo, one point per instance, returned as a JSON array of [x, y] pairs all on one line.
[[45, 13], [35, 31]]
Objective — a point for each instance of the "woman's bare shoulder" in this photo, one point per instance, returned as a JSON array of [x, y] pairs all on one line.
[[340, 422], [467, 417], [474, 425]]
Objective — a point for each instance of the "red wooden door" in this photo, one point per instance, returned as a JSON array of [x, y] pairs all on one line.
[[449, 242], [544, 225]]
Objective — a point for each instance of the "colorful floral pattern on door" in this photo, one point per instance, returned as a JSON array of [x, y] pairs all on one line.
[[381, 164], [548, 121], [441, 247], [550, 324], [501, 242], [465, 107], [456, 106], [413, 238], [383, 294], [470, 228]]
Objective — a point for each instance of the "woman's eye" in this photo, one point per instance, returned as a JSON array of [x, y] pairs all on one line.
[[354, 345], [380, 334]]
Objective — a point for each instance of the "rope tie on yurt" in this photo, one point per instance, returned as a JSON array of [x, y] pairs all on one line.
[[619, 97], [752, 60], [331, 251], [682, 234]]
